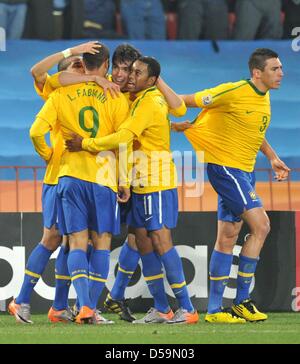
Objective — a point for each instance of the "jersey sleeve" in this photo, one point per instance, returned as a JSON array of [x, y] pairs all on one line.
[[44, 122], [108, 142], [179, 111], [217, 96], [54, 81], [50, 85]]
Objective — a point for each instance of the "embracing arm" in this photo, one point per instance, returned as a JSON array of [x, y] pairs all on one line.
[[70, 78], [95, 145], [112, 141], [122, 139], [174, 101], [189, 100], [40, 69]]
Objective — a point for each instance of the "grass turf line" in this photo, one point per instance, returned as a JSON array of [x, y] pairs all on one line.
[[281, 328]]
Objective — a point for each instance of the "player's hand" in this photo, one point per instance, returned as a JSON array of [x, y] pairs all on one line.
[[181, 126], [123, 194], [107, 85], [74, 144], [88, 47], [280, 168]]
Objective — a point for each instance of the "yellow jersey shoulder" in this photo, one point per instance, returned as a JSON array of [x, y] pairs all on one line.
[[221, 94], [151, 99]]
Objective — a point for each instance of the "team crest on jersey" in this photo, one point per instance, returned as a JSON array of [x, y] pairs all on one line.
[[253, 195], [207, 100]]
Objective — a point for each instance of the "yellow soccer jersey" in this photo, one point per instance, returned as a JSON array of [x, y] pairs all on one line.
[[51, 84], [82, 109], [149, 122], [232, 125], [51, 174], [127, 96]]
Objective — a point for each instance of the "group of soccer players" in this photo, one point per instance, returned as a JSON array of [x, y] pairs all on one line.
[[88, 175]]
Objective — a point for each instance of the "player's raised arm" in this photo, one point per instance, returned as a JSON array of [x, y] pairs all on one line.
[[175, 102], [213, 97], [39, 70]]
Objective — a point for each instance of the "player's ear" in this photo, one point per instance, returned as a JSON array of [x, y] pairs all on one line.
[[151, 81], [107, 63], [256, 73]]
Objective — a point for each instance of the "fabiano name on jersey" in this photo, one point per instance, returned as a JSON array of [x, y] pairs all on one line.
[[87, 92], [93, 115]]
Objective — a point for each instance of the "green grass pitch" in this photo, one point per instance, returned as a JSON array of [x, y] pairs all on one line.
[[279, 328]]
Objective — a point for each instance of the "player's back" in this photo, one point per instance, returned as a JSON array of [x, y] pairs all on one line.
[[85, 110], [52, 170]]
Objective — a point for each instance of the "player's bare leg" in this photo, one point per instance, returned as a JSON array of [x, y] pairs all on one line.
[[259, 226]]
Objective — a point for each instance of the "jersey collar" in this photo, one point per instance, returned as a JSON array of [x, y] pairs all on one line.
[[147, 90], [256, 89]]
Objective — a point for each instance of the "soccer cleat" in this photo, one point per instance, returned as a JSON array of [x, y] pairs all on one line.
[[20, 311], [120, 307], [98, 319], [74, 310], [224, 317], [85, 315], [61, 315], [155, 317], [248, 311], [182, 316]]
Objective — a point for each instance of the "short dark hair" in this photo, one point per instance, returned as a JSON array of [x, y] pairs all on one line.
[[125, 53], [64, 64], [95, 61], [153, 66], [259, 57]]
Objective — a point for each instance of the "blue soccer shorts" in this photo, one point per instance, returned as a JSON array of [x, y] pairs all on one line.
[[49, 205], [235, 189], [86, 205], [125, 211], [154, 210]]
